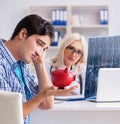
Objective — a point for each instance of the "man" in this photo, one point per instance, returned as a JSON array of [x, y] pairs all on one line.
[[28, 43]]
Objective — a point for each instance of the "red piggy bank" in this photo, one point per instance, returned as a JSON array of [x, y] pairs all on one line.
[[62, 77]]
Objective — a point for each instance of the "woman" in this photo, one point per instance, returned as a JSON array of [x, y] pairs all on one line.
[[73, 54]]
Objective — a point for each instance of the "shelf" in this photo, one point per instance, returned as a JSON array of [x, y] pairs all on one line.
[[89, 7], [44, 11], [91, 26], [61, 27], [53, 47], [83, 16], [83, 19]]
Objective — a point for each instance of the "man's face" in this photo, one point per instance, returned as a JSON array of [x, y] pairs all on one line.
[[33, 46]]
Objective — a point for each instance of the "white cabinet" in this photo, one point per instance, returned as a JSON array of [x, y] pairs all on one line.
[[84, 19]]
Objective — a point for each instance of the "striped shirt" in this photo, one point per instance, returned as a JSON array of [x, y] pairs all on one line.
[[10, 81]]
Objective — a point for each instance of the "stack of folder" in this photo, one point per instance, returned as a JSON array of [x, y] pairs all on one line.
[[59, 17]]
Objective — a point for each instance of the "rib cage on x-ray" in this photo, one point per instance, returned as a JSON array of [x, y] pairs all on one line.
[[102, 52]]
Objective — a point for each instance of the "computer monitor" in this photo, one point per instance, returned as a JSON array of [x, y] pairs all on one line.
[[103, 52], [10, 108]]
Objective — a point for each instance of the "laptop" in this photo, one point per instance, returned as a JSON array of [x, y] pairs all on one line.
[[10, 108], [108, 86]]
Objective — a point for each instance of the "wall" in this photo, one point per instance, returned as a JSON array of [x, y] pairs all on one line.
[[11, 11]]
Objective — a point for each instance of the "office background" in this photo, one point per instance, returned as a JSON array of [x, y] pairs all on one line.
[[11, 11]]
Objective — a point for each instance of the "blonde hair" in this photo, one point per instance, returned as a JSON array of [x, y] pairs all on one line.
[[57, 60]]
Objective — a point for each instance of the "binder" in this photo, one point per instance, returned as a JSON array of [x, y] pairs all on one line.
[[61, 17], [101, 16], [54, 17], [65, 17], [56, 39], [106, 16], [57, 17]]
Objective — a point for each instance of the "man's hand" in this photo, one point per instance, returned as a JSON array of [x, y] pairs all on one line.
[[39, 57], [59, 92]]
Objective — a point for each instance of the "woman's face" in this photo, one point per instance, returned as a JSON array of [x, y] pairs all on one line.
[[73, 52]]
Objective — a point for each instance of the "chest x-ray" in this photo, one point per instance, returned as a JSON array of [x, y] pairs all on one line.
[[102, 52]]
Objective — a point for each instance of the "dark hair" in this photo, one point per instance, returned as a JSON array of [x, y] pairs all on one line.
[[34, 24]]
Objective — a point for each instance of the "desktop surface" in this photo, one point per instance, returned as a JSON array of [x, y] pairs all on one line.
[[85, 105], [77, 112]]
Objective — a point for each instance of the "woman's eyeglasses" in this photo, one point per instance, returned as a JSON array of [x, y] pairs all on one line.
[[73, 50]]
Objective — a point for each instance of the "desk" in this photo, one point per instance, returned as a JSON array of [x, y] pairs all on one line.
[[78, 112]]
